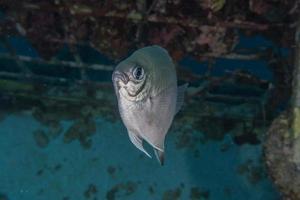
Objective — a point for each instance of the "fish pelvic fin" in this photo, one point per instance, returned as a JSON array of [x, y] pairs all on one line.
[[138, 142]]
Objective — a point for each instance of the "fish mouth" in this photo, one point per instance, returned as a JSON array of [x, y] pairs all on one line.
[[120, 76]]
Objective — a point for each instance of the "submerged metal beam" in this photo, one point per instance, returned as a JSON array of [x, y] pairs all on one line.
[[71, 64]]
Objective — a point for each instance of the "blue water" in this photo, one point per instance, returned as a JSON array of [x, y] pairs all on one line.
[[212, 170], [116, 168]]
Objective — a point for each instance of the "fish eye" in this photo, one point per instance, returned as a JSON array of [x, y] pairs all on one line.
[[138, 73]]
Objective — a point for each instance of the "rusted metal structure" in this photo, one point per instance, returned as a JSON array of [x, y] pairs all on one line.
[[59, 77]]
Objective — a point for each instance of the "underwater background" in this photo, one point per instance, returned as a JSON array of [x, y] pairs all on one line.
[[61, 136]]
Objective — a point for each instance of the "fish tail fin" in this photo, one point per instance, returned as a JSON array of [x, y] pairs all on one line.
[[180, 96]]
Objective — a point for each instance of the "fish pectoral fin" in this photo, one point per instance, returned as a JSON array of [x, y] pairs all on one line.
[[180, 96], [138, 142], [160, 155]]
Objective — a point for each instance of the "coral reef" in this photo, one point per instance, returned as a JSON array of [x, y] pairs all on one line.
[[279, 155], [253, 172], [198, 193], [121, 190], [81, 130], [90, 192], [172, 194]]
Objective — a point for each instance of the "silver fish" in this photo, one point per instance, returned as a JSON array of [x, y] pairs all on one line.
[[148, 97]]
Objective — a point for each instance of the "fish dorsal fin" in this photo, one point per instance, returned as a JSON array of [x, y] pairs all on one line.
[[138, 142], [180, 96]]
